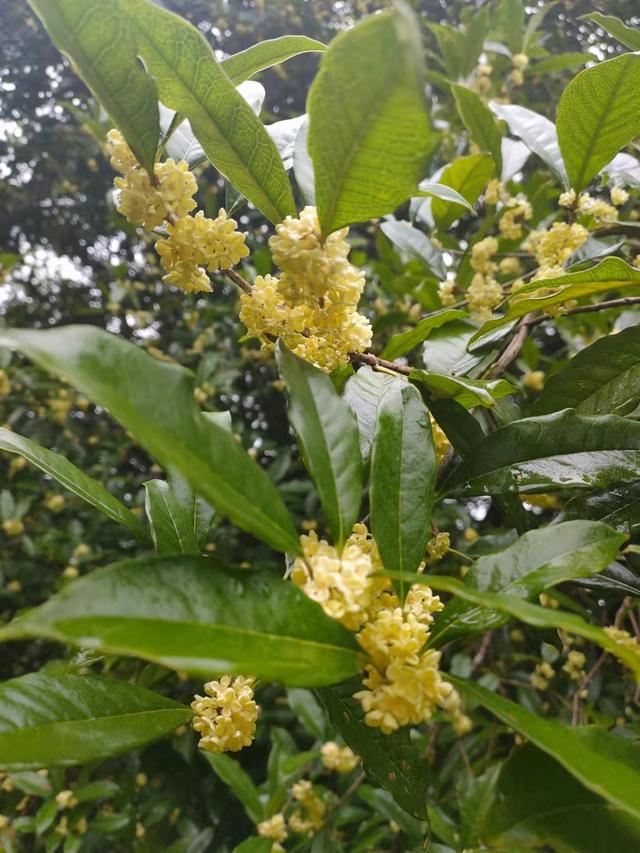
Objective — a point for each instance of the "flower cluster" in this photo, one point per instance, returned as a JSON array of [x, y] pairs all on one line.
[[193, 244], [341, 759], [574, 665], [275, 829], [553, 247], [484, 292], [226, 716], [310, 818], [541, 676], [440, 440], [313, 304], [516, 212], [404, 683], [624, 638], [340, 583], [438, 546]]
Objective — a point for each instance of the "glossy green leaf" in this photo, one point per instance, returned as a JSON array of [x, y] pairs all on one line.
[[617, 506], [603, 378], [437, 190], [629, 36], [403, 475], [406, 341], [537, 560], [467, 392], [328, 435], [413, 243], [605, 764], [307, 709], [49, 721], [597, 116], [610, 274], [536, 800], [480, 122], [191, 82], [461, 49], [237, 778], [565, 449], [390, 761], [172, 523], [537, 132], [530, 614], [369, 131], [469, 176], [188, 613], [447, 349], [97, 37], [73, 479], [241, 66], [363, 393], [154, 400]]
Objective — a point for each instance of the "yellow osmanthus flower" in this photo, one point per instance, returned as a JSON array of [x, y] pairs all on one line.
[[5, 384], [66, 800], [619, 196], [54, 503], [273, 828], [520, 61], [446, 292], [311, 817], [438, 546], [13, 527], [516, 77], [516, 212], [313, 304], [148, 203], [226, 716], [194, 243], [340, 583], [624, 638], [574, 665], [494, 192], [481, 253], [440, 440], [534, 380], [553, 247], [568, 198], [510, 266], [4, 822], [541, 676], [483, 294], [600, 210], [341, 759]]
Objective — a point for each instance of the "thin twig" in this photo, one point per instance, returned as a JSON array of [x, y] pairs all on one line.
[[374, 361], [512, 349], [236, 278], [353, 787], [577, 696], [481, 654]]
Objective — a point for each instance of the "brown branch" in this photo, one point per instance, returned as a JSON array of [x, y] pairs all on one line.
[[236, 278], [374, 361], [512, 349], [575, 714], [588, 309]]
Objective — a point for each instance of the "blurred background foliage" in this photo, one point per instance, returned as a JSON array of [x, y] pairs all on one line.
[[68, 257]]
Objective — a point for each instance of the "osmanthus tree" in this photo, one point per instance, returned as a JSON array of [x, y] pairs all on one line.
[[394, 434]]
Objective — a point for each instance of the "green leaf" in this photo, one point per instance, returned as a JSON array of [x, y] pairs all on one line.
[[390, 761], [255, 844], [191, 82], [629, 36], [96, 36], [537, 132], [468, 176], [306, 708], [536, 800], [559, 62], [237, 778], [510, 24], [437, 190], [241, 66], [363, 393], [480, 122], [48, 721], [597, 116], [328, 435], [188, 613], [603, 378], [406, 341], [610, 274], [447, 349], [172, 528], [604, 763], [369, 132], [467, 392], [403, 475], [461, 49], [73, 479], [617, 506], [530, 614], [537, 560], [154, 400], [415, 244], [382, 803], [565, 449]]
